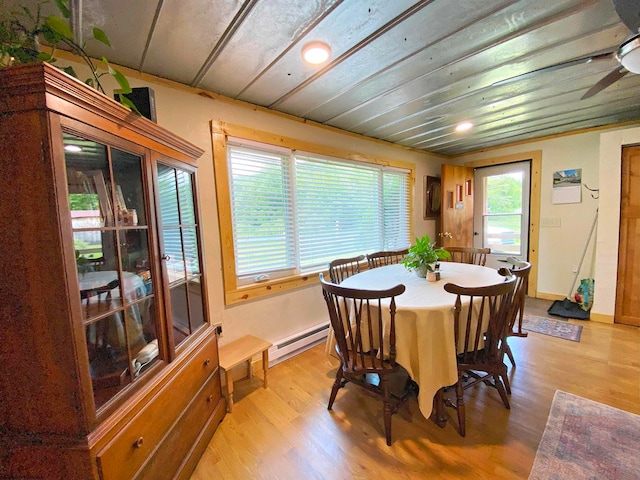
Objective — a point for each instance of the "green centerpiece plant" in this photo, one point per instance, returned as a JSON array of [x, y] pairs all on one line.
[[423, 255]]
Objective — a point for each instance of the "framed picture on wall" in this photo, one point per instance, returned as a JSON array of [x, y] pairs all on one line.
[[432, 197]]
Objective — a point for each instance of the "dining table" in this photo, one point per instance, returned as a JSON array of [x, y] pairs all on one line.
[[424, 322]]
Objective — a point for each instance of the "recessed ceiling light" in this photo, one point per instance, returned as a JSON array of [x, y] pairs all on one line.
[[316, 52], [72, 148], [464, 126]]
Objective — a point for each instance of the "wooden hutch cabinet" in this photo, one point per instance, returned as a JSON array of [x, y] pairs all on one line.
[[108, 360]]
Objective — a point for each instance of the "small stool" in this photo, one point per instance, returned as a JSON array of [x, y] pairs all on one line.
[[239, 351]]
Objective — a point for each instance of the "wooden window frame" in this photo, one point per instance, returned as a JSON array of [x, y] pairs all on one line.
[[233, 293]]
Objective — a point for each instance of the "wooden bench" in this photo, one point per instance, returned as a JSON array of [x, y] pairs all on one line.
[[239, 351]]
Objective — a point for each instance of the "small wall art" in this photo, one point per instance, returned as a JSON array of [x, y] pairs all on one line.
[[432, 197], [567, 186]]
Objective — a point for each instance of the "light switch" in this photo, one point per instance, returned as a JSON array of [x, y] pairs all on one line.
[[550, 222]]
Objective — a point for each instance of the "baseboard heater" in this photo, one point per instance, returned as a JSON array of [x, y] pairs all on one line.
[[290, 346]]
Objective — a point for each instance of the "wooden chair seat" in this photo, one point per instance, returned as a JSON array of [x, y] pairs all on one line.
[[521, 271], [357, 313], [480, 339]]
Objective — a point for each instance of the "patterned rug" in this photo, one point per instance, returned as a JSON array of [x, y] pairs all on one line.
[[554, 328], [584, 439]]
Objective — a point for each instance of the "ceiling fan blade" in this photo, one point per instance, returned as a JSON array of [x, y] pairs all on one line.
[[606, 81], [606, 55], [629, 13]]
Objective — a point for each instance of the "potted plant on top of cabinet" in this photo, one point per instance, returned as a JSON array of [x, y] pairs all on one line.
[[22, 33]]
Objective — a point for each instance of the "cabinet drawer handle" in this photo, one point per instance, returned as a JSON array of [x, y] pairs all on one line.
[[139, 443], [209, 398], [207, 362]]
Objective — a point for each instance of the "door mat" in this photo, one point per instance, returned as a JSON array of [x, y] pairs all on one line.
[[568, 309], [553, 328]]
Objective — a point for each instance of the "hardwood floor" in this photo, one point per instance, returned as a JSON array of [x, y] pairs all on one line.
[[286, 431]]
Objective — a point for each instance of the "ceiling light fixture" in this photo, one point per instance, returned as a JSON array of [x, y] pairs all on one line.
[[629, 54], [464, 126], [72, 148], [316, 53]]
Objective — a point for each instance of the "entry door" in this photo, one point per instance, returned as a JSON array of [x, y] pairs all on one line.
[[627, 305], [501, 211], [457, 206]]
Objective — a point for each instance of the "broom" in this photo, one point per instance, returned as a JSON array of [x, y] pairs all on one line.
[[567, 308]]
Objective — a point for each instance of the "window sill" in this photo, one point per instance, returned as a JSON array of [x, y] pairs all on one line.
[[264, 289]]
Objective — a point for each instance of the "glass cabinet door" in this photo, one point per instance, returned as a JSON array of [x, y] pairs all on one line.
[[180, 250], [112, 251]]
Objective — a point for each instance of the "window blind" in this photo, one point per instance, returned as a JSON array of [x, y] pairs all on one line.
[[296, 211], [261, 209], [338, 211]]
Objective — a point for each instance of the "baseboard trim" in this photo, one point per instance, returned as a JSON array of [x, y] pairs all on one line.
[[601, 317], [549, 296]]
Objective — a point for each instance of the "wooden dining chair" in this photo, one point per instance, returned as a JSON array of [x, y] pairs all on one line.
[[389, 257], [470, 255], [521, 272], [344, 267], [339, 270], [356, 317], [479, 330]]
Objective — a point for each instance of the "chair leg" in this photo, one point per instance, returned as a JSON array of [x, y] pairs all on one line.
[[510, 354], [501, 390], [460, 408], [336, 386], [505, 380], [387, 408]]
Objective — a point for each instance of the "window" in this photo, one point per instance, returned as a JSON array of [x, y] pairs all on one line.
[[293, 212]]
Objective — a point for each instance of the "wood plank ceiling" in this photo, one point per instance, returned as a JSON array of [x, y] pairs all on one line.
[[402, 71]]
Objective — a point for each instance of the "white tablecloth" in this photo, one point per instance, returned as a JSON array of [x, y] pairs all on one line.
[[425, 344], [133, 288], [133, 285]]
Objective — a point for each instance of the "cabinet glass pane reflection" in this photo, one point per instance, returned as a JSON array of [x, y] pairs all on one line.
[[181, 250], [111, 241]]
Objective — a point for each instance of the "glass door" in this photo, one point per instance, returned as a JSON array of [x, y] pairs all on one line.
[[111, 240], [501, 211], [180, 251]]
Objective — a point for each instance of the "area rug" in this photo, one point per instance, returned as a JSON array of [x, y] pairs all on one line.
[[554, 328], [584, 439]]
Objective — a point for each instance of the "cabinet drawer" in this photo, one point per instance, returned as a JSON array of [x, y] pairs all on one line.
[[178, 443], [128, 451]]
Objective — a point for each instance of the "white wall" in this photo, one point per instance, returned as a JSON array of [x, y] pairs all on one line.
[[611, 144]]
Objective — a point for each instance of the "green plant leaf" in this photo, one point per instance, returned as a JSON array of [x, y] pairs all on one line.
[[59, 26], [128, 103], [101, 36], [64, 10], [90, 82], [45, 57], [70, 71], [120, 78]]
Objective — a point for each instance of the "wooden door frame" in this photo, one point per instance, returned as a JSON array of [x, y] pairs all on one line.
[[535, 157], [621, 271]]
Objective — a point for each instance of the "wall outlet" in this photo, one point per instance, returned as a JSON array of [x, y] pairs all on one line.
[[218, 328], [574, 269]]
